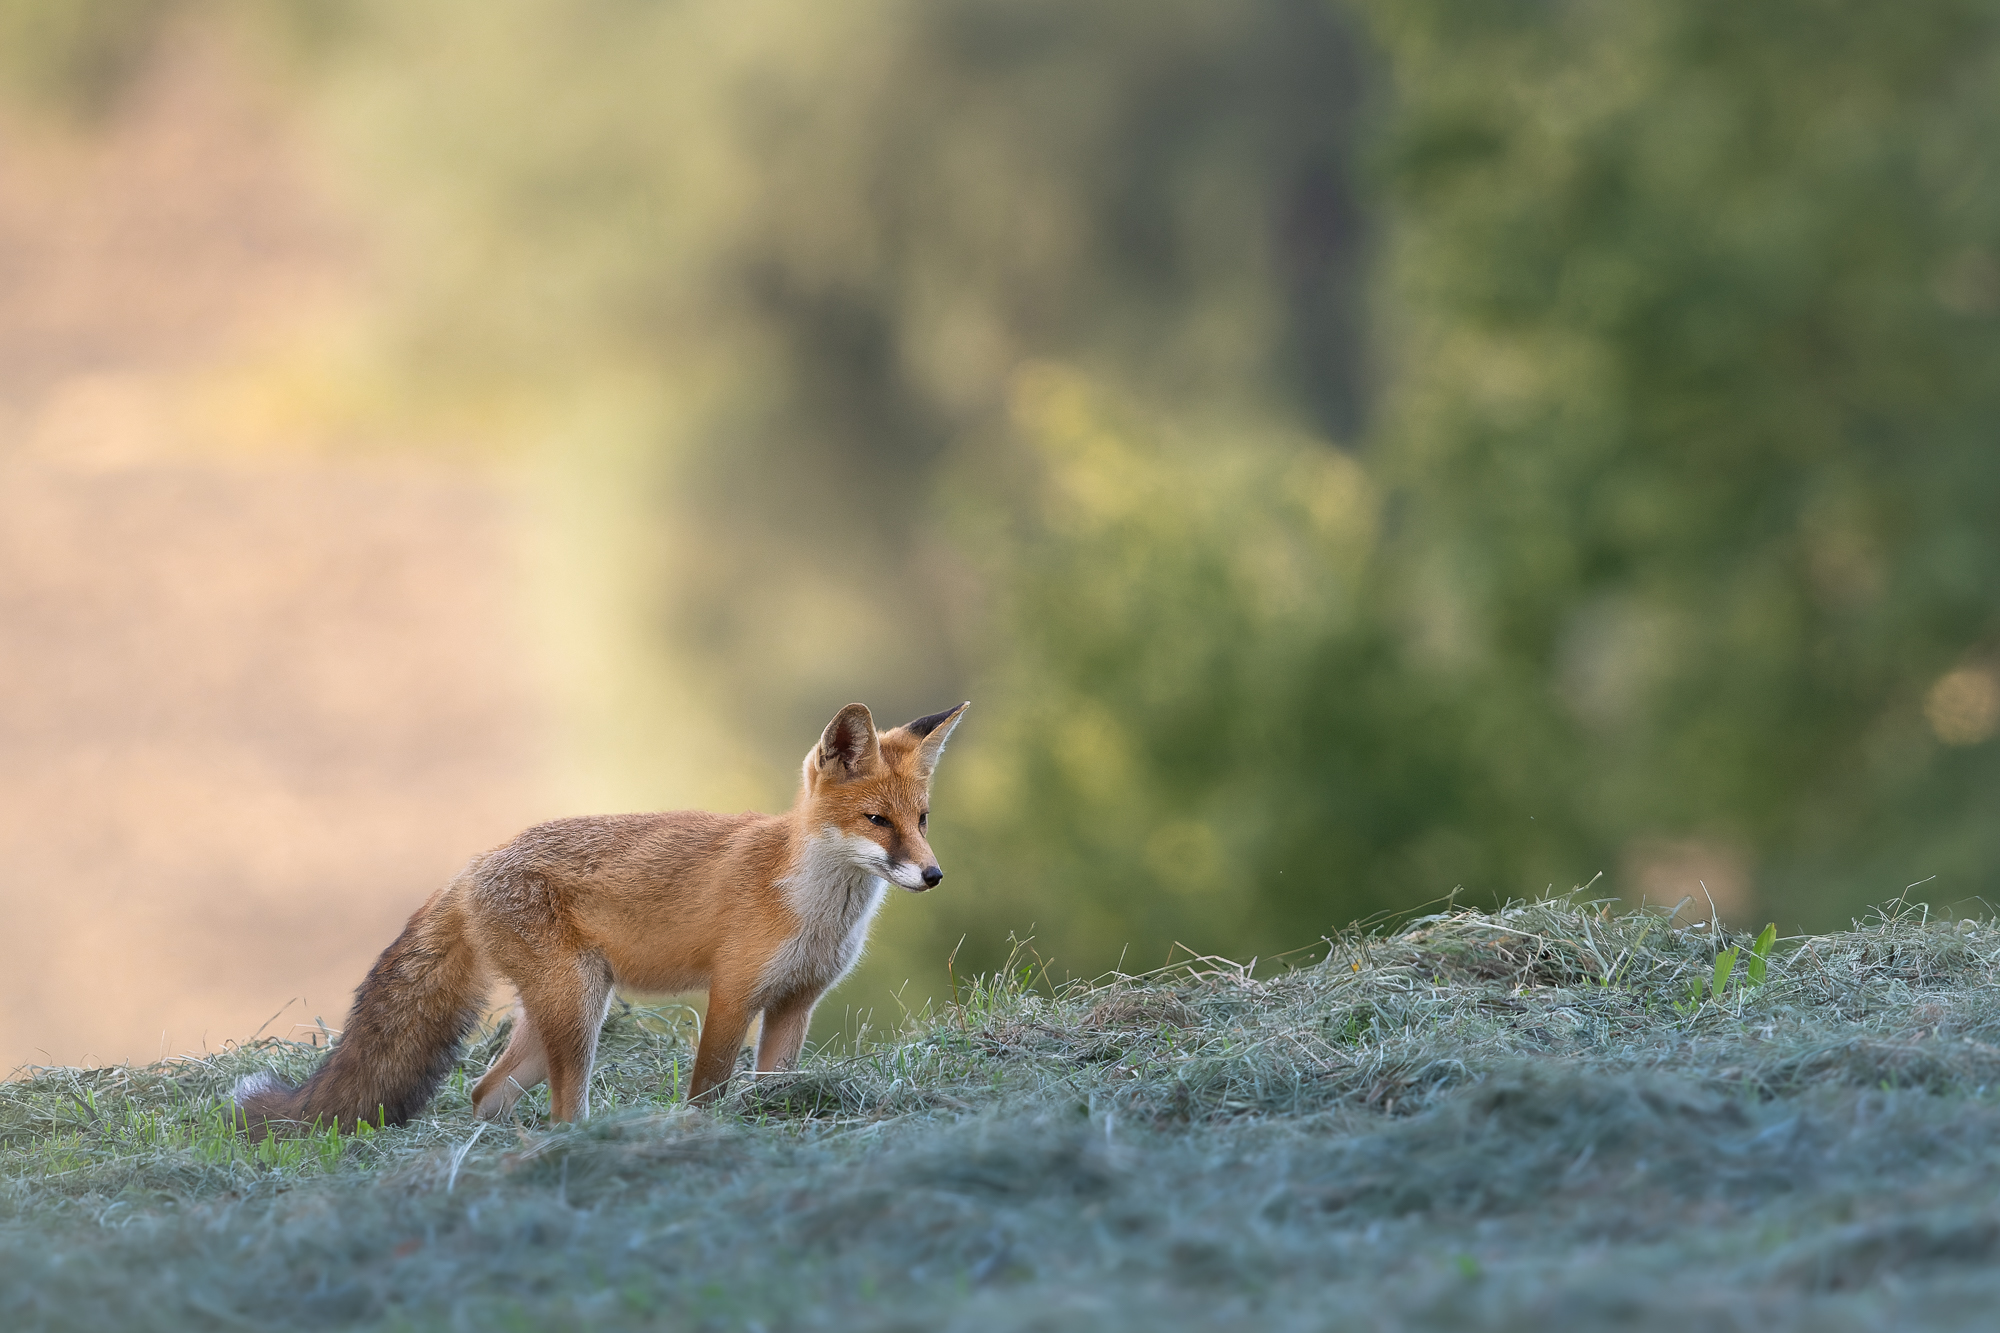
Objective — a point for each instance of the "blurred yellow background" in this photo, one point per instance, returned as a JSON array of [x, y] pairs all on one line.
[[260, 694]]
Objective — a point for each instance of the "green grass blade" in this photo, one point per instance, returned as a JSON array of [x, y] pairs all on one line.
[[1760, 953], [1725, 963]]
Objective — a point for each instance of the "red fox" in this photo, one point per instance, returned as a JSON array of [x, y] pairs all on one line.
[[765, 911]]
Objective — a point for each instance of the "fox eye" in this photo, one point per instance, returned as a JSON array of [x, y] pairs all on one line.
[[878, 821]]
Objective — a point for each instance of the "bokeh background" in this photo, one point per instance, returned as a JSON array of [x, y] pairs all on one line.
[[1350, 453]]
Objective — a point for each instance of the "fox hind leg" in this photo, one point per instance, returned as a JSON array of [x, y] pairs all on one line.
[[519, 1067], [567, 1012]]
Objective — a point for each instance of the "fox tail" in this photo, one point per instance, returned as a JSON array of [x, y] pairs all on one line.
[[410, 1014]]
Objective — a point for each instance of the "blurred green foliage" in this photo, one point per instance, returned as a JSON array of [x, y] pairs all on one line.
[[1687, 495], [1348, 453], [807, 247], [1697, 386]]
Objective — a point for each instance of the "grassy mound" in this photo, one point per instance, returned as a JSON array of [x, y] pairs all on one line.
[[1548, 1116]]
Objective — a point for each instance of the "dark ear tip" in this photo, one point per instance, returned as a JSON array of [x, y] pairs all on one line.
[[924, 726]]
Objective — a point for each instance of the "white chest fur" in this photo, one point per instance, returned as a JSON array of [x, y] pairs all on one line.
[[834, 892]]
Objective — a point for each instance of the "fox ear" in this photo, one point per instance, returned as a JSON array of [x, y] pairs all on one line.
[[848, 747], [933, 732]]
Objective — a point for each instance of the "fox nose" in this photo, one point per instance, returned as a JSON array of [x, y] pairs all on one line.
[[931, 876]]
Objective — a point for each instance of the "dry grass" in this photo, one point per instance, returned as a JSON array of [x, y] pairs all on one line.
[[1542, 1116]]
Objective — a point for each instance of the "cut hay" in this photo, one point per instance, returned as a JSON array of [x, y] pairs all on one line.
[[1551, 1113]]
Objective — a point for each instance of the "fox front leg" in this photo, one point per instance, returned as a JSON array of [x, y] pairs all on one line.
[[721, 1038], [784, 1033]]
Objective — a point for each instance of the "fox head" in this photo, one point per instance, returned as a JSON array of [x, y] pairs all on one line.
[[874, 790]]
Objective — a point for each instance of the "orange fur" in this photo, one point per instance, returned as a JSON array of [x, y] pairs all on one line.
[[766, 912]]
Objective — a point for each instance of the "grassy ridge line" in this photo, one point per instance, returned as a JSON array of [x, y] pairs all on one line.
[[1176, 1144]]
